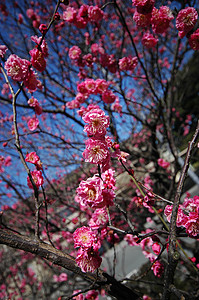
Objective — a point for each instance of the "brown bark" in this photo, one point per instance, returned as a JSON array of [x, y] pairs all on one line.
[[66, 261]]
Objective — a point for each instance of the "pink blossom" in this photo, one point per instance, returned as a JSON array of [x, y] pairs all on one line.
[[144, 6], [74, 52], [101, 86], [162, 163], [192, 225], [92, 295], [33, 123], [156, 248], [38, 109], [112, 63], [108, 97], [90, 86], [158, 268], [99, 218], [181, 217], [142, 20], [62, 277], [133, 61], [128, 63], [43, 28], [32, 157], [69, 15], [95, 14], [90, 192], [121, 155], [32, 101], [34, 17], [149, 41], [83, 110], [191, 204], [80, 98], [117, 107], [17, 68], [88, 260], [96, 151], [79, 297], [131, 240], [83, 237], [43, 47], [3, 50], [37, 60], [82, 88], [194, 40], [88, 60], [97, 122], [95, 48], [7, 161], [82, 19], [2, 159], [161, 19], [20, 18], [108, 179], [73, 104], [186, 20], [146, 297], [37, 178], [108, 196], [31, 82]]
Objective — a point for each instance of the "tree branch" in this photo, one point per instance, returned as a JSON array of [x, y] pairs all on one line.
[[66, 261]]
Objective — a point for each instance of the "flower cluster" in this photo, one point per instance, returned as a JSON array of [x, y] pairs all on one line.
[[142, 20], [144, 6], [87, 258], [39, 54], [128, 63], [83, 15], [97, 146], [188, 215], [94, 193], [186, 20], [89, 87], [96, 151], [159, 18], [19, 70], [97, 56], [97, 122], [149, 41]]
